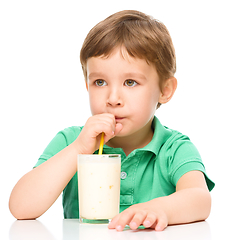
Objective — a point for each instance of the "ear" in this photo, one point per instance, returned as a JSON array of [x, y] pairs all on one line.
[[86, 84], [169, 88]]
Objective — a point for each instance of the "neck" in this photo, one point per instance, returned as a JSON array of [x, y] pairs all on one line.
[[136, 140]]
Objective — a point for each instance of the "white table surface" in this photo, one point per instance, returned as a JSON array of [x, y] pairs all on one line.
[[70, 229], [51, 226]]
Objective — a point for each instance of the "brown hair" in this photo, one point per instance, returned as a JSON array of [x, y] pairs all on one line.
[[142, 36]]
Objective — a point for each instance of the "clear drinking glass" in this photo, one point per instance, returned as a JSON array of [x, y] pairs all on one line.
[[99, 187]]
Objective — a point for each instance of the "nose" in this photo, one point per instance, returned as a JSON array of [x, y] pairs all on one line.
[[114, 98]]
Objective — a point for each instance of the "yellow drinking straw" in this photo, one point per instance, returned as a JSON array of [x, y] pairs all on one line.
[[101, 144]]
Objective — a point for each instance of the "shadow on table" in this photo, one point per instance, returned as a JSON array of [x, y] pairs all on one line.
[[29, 230], [72, 229]]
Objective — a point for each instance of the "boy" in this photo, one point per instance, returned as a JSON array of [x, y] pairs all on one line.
[[128, 61]]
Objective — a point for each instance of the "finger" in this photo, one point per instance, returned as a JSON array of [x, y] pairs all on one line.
[[150, 220], [109, 135], [107, 125], [113, 222], [138, 219], [107, 117], [124, 219], [162, 223], [101, 123], [108, 130], [118, 128]]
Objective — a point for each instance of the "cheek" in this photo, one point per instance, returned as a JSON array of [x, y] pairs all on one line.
[[145, 106], [147, 100], [95, 104]]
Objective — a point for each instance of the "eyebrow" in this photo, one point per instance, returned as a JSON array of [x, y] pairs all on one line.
[[96, 75], [135, 75], [126, 75]]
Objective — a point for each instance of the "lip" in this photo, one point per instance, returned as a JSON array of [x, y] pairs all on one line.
[[117, 118]]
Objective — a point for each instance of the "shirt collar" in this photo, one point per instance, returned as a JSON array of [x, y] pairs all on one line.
[[160, 136]]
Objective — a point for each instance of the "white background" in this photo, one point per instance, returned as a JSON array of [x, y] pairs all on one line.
[[42, 87]]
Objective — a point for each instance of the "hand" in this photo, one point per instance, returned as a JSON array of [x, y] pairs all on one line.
[[142, 213], [89, 139]]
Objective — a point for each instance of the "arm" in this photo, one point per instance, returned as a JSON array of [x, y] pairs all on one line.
[[37, 190], [191, 202]]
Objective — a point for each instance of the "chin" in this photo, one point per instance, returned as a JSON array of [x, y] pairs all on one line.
[[123, 133]]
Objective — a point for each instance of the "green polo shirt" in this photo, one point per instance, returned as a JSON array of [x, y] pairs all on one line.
[[146, 173]]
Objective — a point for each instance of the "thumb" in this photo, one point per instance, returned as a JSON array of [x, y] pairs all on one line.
[[118, 128]]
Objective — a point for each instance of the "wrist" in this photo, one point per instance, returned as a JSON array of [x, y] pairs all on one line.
[[80, 148], [162, 207]]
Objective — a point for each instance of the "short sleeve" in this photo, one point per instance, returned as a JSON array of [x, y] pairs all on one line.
[[58, 143], [184, 157]]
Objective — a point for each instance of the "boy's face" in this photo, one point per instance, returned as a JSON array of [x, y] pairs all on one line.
[[126, 87]]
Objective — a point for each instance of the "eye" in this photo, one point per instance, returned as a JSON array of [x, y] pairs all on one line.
[[100, 83], [130, 83]]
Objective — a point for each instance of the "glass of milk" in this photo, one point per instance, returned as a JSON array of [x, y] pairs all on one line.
[[99, 187]]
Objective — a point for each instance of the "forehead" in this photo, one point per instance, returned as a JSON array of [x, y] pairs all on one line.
[[117, 62], [122, 52]]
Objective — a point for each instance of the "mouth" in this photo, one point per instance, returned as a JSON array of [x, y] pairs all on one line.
[[118, 119]]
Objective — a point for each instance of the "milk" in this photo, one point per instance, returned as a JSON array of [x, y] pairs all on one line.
[[99, 186]]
